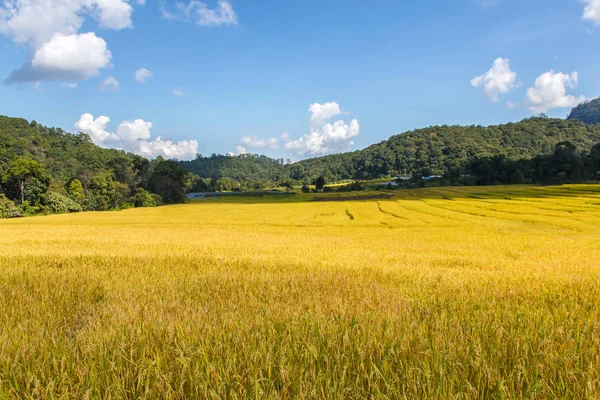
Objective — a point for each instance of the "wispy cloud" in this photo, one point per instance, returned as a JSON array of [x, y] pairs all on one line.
[[142, 75], [111, 83], [201, 13]]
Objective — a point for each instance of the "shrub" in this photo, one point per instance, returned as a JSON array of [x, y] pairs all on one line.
[[59, 203], [8, 208], [143, 198], [29, 209]]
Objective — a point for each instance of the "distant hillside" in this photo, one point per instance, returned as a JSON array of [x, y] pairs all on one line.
[[436, 150], [245, 167], [587, 112], [430, 151]]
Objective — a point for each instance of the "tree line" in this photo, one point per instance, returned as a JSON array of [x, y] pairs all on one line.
[[565, 165]]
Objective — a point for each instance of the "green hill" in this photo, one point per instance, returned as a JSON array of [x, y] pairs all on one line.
[[48, 170], [430, 151], [63, 154], [437, 150], [587, 112], [249, 168]]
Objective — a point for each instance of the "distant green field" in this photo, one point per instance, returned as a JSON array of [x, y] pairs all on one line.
[[470, 292]]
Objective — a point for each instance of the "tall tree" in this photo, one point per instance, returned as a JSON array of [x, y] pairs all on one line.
[[320, 183], [20, 171], [168, 181]]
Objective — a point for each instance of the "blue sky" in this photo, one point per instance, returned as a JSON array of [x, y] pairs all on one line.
[[233, 76]]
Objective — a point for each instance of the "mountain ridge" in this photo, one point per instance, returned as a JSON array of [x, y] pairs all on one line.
[[434, 150]]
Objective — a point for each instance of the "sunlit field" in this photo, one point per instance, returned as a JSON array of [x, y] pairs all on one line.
[[434, 293]]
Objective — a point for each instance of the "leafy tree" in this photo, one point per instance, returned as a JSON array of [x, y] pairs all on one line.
[[190, 181], [566, 164], [76, 191], [168, 181], [320, 183], [226, 185], [105, 193], [27, 176]]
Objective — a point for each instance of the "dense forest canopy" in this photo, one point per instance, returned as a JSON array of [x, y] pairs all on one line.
[[252, 171], [587, 112], [440, 149], [44, 170]]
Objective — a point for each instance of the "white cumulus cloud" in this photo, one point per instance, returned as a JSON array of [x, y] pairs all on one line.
[[65, 57], [324, 137], [322, 112], [70, 85], [550, 91], [182, 150], [110, 83], [497, 80], [37, 21], [591, 12], [222, 14], [131, 131], [329, 138], [135, 136], [51, 29], [142, 75], [96, 129], [179, 92]]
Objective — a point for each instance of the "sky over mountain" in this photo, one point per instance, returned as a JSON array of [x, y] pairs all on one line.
[[290, 79]]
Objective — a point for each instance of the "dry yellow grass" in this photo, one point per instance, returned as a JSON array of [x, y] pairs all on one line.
[[445, 293]]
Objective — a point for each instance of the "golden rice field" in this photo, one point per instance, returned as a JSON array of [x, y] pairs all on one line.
[[436, 293]]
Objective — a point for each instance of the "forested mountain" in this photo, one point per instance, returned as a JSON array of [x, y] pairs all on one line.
[[587, 112], [440, 149], [45, 170], [431, 151]]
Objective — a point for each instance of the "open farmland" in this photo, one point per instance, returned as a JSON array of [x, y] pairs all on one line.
[[434, 293]]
